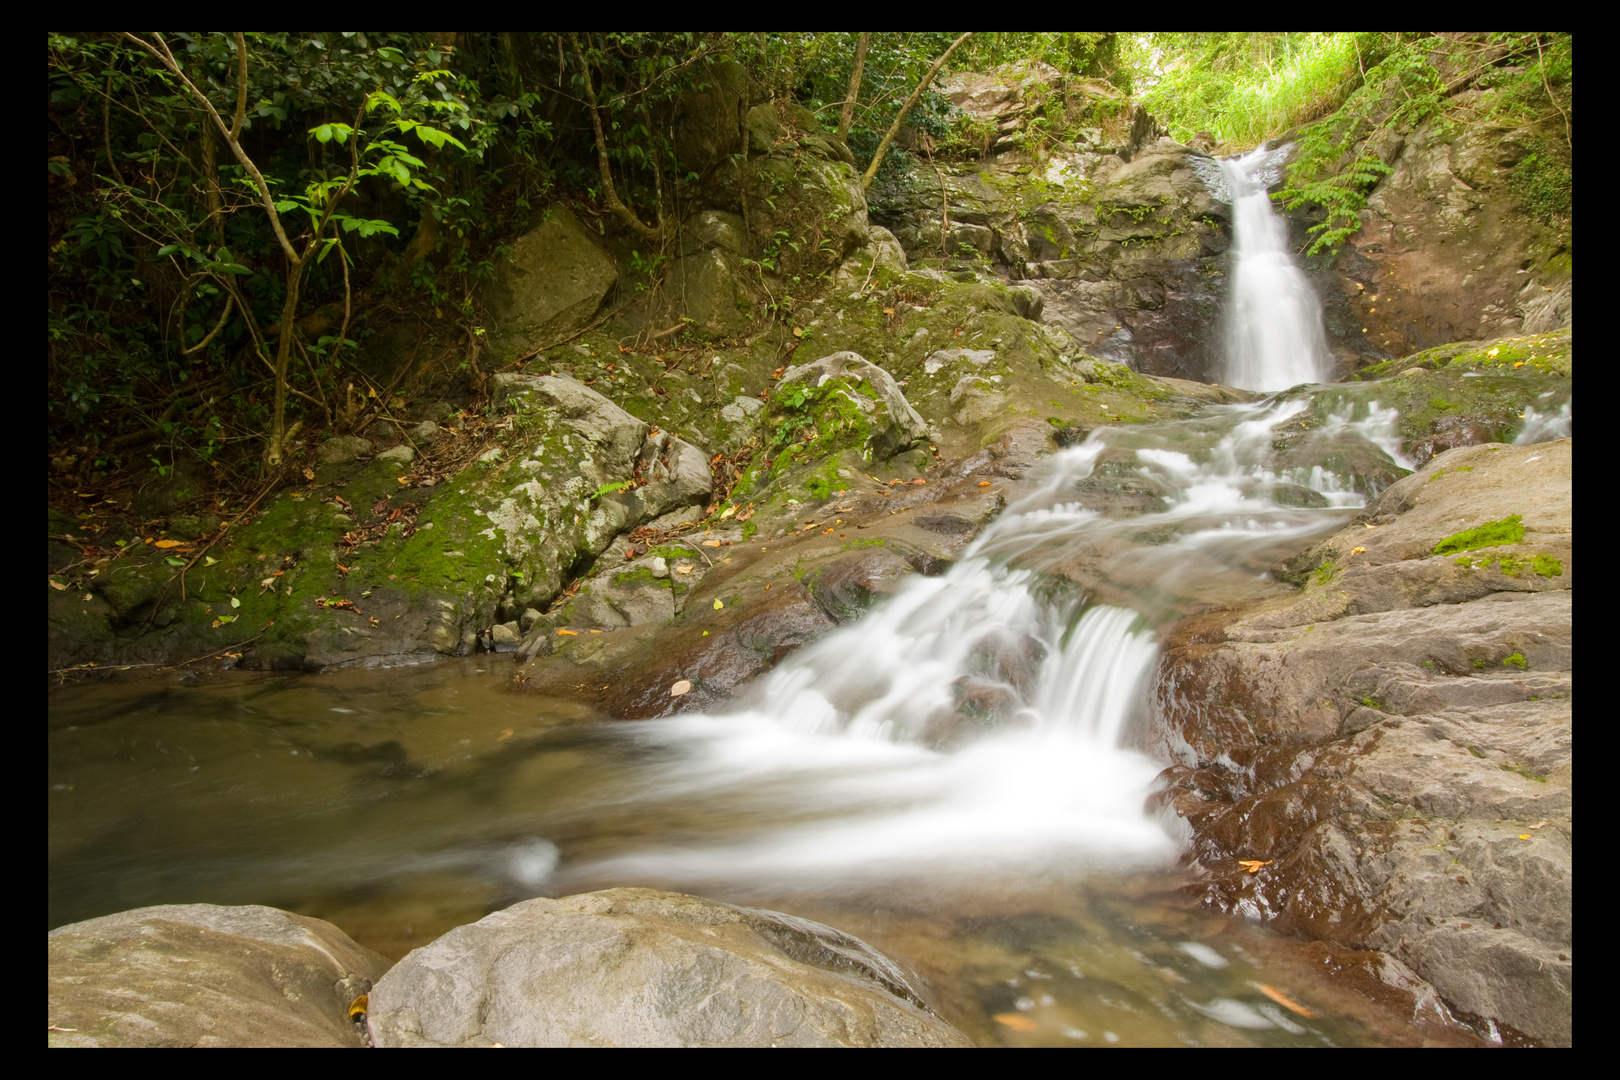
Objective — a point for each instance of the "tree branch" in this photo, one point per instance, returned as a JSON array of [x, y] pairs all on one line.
[[846, 115], [610, 194], [894, 128]]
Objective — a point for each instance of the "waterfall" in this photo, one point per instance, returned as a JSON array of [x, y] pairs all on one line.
[[976, 727], [1274, 336]]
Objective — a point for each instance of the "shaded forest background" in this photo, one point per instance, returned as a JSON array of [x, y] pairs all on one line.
[[233, 217]]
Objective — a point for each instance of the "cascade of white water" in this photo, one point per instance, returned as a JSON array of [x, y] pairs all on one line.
[[977, 724], [1274, 336]]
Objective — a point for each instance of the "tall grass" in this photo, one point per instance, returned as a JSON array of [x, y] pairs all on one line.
[[1243, 97]]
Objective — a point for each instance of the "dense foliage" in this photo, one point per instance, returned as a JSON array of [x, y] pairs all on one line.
[[231, 216]]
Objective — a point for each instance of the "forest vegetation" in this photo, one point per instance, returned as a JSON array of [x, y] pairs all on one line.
[[232, 216]]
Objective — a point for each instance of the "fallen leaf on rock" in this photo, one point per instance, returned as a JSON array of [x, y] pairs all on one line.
[[1015, 1021], [1253, 865], [568, 633], [1282, 999], [683, 569], [727, 512], [718, 605], [919, 480], [711, 543], [1357, 551], [57, 585], [170, 543], [1543, 825], [506, 733], [682, 687], [984, 483]]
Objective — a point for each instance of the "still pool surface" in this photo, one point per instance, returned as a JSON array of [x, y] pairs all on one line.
[[401, 803]]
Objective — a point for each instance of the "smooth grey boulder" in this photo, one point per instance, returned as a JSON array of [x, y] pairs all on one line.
[[639, 967], [555, 279], [205, 975]]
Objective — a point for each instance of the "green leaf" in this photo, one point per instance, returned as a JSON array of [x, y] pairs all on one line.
[[381, 98]]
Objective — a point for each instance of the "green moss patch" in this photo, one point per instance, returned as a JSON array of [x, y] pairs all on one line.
[[1510, 530]]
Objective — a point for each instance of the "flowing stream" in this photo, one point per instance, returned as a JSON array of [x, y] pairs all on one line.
[[955, 777]]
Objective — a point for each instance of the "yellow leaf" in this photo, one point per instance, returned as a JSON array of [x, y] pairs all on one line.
[[798, 331], [1524, 836], [1016, 1021], [682, 687], [727, 512], [170, 543], [506, 733], [984, 483], [1493, 352], [568, 633], [711, 543], [1253, 865], [718, 605], [57, 585], [1282, 999], [1357, 551]]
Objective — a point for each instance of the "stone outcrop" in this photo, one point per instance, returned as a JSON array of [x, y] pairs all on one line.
[[1393, 744], [555, 279], [638, 967], [1447, 251], [203, 975]]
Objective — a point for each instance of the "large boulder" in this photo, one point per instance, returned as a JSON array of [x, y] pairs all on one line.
[[203, 975], [555, 279], [1392, 745], [638, 967]]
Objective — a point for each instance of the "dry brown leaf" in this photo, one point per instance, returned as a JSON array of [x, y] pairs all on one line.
[[1282, 999], [711, 543], [170, 543], [506, 733], [682, 687], [1016, 1021], [683, 569], [57, 585]]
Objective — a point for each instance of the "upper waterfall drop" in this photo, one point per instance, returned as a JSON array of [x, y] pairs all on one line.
[[1274, 335]]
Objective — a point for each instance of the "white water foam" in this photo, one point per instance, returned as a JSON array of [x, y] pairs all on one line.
[[1274, 336]]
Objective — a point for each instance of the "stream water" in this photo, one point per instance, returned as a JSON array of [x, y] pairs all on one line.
[[953, 778]]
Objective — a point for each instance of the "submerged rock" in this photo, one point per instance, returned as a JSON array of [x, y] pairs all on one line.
[[638, 967], [204, 975]]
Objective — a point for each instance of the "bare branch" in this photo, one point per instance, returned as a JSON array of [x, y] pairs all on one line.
[[894, 128]]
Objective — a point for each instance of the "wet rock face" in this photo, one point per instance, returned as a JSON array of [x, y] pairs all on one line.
[[637, 967], [1393, 743], [1447, 252], [202, 975]]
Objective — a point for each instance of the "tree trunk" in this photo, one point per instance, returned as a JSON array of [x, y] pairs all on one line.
[[894, 128], [847, 115]]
